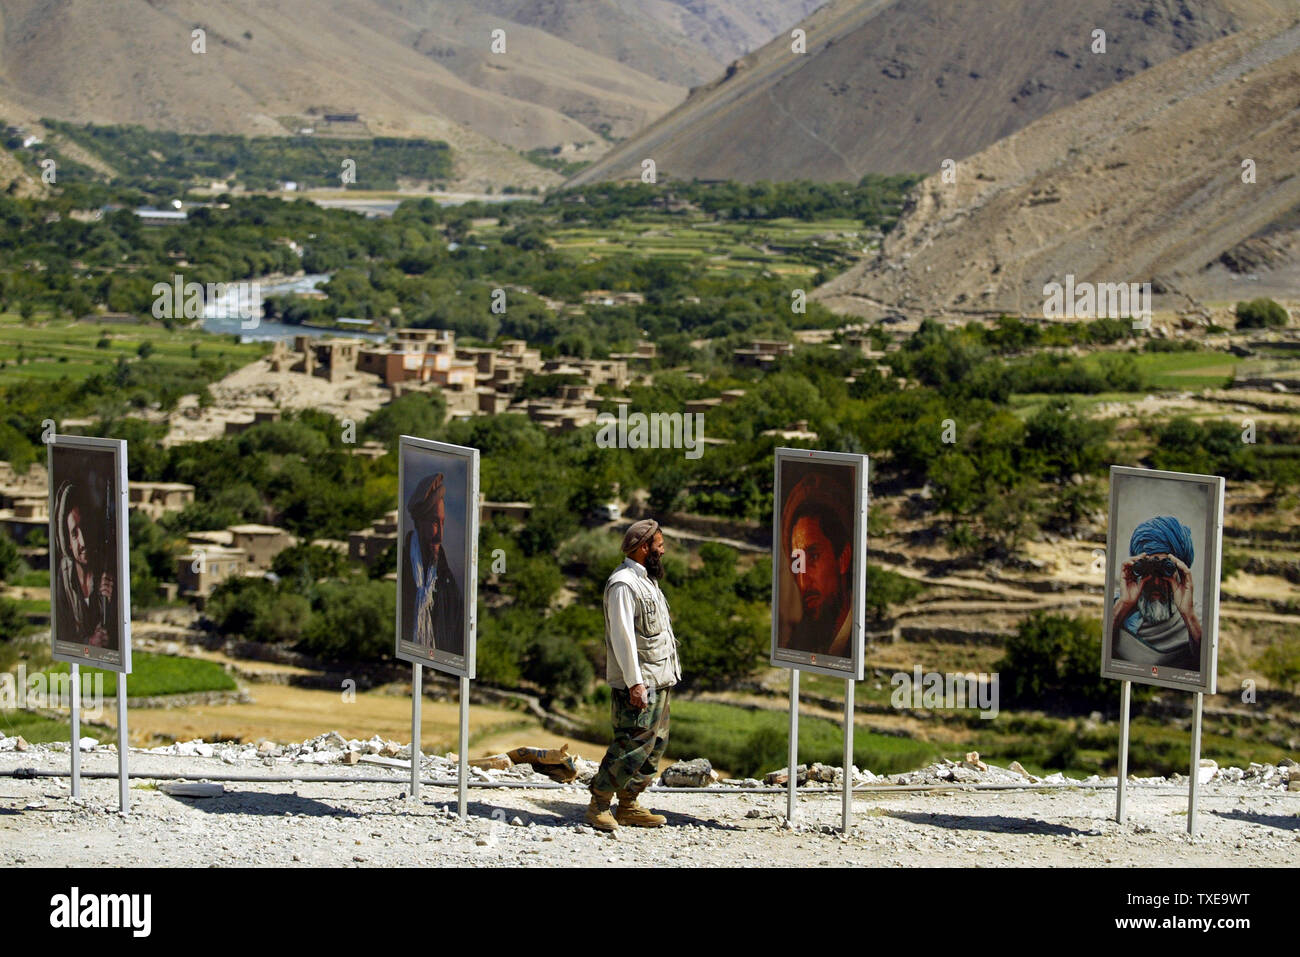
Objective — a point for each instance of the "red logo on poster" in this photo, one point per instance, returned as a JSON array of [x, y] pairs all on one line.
[[1155, 670], [812, 659]]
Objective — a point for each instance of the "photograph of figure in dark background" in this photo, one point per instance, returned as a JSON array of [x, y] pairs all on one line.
[[85, 550], [432, 603], [1154, 616], [817, 550]]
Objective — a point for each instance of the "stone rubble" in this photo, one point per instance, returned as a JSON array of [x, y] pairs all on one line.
[[332, 748]]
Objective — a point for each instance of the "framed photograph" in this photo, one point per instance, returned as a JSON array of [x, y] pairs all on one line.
[[437, 554], [819, 562], [90, 580], [1163, 551]]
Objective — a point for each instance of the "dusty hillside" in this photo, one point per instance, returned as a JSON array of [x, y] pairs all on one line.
[[889, 86], [1141, 182], [406, 68], [728, 29]]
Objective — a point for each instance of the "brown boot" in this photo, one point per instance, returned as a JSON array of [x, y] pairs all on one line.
[[631, 814], [598, 815]]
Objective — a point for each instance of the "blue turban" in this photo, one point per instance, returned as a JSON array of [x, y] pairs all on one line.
[[1162, 534]]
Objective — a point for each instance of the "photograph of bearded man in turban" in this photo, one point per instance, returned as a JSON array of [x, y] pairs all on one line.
[[1164, 551], [1155, 621]]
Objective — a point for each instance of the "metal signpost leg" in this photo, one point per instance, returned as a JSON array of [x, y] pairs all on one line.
[[123, 780], [848, 752], [1196, 765], [462, 782], [76, 730], [793, 763], [417, 696], [1125, 688]]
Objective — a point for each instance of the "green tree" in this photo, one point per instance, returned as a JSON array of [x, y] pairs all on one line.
[[1260, 313]]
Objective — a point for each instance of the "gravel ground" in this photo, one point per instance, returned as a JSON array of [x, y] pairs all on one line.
[[359, 824]]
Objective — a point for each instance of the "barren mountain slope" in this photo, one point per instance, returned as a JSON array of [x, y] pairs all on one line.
[[889, 86], [404, 67], [1141, 182], [728, 29]]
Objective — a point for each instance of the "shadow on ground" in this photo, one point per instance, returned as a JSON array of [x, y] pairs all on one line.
[[993, 823], [1284, 822], [272, 805], [573, 813]]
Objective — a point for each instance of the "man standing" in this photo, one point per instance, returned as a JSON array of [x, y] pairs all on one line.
[[641, 667], [432, 612]]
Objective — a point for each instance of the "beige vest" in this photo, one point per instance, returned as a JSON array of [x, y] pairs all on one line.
[[656, 645]]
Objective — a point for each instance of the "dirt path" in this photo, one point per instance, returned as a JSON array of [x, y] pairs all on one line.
[[371, 825]]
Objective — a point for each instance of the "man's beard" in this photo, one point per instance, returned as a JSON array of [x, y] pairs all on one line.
[[654, 567], [1155, 605], [827, 610]]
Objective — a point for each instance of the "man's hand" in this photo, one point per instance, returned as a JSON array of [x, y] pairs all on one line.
[[1130, 587], [1182, 593], [106, 586], [638, 695]]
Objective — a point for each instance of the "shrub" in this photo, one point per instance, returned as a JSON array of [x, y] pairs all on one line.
[[1053, 662], [1260, 314]]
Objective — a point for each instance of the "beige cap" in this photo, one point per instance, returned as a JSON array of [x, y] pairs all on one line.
[[637, 533]]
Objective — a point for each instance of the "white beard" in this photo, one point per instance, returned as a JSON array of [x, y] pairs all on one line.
[[1154, 610]]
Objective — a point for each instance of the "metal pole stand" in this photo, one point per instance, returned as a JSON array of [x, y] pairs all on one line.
[[417, 699], [1196, 765], [123, 776], [1125, 689], [848, 753], [462, 779], [76, 730], [793, 763]]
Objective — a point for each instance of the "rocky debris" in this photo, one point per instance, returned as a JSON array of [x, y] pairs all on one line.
[[495, 762], [698, 773], [782, 777], [88, 744], [555, 763], [1015, 768], [334, 748], [193, 789]]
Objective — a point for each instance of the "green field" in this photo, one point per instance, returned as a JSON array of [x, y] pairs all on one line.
[[782, 246], [38, 352], [153, 675], [749, 742], [38, 729], [1183, 371]]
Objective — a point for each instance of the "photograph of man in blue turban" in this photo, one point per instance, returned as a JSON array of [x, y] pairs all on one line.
[[1154, 619]]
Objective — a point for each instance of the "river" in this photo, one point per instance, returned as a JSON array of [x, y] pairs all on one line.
[[221, 315]]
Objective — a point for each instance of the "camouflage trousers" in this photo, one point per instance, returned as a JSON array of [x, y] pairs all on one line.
[[640, 737]]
